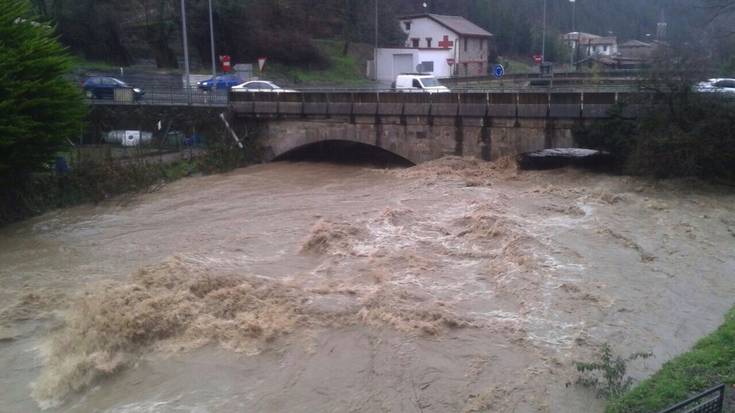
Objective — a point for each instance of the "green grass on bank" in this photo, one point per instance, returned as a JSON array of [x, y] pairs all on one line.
[[516, 65], [81, 63], [342, 69], [711, 361]]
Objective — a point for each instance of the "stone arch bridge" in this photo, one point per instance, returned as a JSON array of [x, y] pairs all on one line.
[[418, 127]]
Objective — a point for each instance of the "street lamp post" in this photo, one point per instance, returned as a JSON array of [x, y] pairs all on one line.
[[543, 38], [575, 43], [211, 39], [187, 84], [375, 52]]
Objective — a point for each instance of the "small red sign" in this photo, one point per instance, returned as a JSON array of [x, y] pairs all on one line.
[[538, 59], [226, 63]]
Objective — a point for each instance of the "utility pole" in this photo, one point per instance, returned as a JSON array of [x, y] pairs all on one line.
[[211, 39], [543, 38], [375, 53], [186, 53], [575, 43]]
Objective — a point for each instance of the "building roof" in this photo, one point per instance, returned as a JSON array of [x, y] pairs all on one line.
[[636, 43], [578, 35], [604, 40], [457, 24]]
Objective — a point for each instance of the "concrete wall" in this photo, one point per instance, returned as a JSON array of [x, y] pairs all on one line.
[[386, 68], [387, 71], [439, 57], [418, 139]]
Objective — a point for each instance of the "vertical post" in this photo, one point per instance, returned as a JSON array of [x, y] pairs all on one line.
[[575, 43], [543, 38], [211, 39], [375, 51], [186, 53]]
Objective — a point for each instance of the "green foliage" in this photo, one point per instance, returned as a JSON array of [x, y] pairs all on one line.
[[96, 179], [608, 375], [341, 69], [615, 135], [88, 181], [39, 108], [711, 361], [677, 132], [692, 138], [224, 155]]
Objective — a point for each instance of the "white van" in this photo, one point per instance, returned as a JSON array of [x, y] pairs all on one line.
[[418, 83]]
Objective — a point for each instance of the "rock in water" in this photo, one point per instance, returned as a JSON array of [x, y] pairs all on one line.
[[562, 157]]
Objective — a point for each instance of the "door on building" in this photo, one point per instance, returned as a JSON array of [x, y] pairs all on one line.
[[402, 63]]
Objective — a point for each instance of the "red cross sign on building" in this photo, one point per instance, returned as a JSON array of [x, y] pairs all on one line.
[[445, 43]]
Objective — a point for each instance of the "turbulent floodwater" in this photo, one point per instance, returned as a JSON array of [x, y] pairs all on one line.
[[299, 287]]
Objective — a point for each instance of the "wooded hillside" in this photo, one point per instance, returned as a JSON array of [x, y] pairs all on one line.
[[123, 31]]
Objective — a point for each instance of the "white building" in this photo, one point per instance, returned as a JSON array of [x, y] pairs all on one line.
[[586, 44], [444, 46]]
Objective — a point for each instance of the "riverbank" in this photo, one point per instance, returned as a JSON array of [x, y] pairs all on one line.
[[710, 362], [89, 182]]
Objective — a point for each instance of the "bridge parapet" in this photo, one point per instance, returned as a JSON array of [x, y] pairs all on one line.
[[566, 105]]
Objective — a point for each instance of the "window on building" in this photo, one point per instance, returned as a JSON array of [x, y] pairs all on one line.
[[466, 67], [415, 43], [482, 44], [428, 42], [408, 25], [427, 67], [604, 48], [466, 41]]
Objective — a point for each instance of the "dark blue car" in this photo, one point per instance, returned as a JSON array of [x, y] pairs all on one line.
[[103, 87], [221, 82]]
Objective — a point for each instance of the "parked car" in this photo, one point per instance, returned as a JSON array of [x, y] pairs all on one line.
[[418, 83], [221, 82], [261, 86], [717, 86], [103, 87]]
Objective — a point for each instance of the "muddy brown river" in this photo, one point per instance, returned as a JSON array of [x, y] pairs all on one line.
[[454, 286]]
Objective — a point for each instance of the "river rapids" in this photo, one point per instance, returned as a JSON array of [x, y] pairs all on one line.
[[453, 286]]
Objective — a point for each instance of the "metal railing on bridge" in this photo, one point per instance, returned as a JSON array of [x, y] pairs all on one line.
[[167, 97], [462, 104]]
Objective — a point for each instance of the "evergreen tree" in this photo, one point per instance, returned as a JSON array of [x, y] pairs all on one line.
[[39, 108]]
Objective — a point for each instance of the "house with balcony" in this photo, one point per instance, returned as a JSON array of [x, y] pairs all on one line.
[[440, 45], [585, 45]]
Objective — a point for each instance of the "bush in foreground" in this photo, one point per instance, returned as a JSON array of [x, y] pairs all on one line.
[[39, 109]]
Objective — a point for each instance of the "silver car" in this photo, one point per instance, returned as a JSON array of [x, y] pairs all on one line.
[[260, 86], [717, 86]]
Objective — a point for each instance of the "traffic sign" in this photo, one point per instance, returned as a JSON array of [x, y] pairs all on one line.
[[499, 71], [538, 59], [226, 61]]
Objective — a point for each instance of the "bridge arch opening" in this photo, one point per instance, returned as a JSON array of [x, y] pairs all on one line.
[[345, 152]]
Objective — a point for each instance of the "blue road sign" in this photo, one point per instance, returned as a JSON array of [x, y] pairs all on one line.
[[499, 71]]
